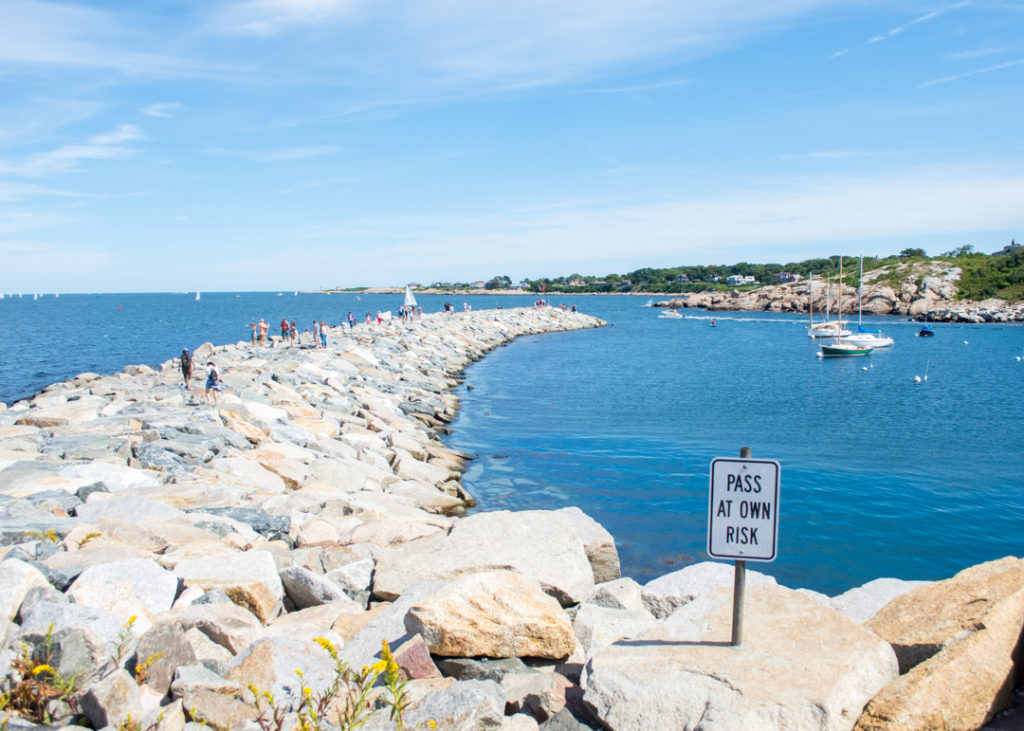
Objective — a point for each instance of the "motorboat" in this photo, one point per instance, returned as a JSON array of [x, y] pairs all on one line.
[[827, 328], [925, 332], [671, 314]]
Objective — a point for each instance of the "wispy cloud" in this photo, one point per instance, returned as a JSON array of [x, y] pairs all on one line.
[[837, 54], [12, 192], [162, 109], [123, 133], [656, 86], [827, 155], [282, 154], [957, 77], [271, 17], [975, 53], [66, 158], [920, 19]]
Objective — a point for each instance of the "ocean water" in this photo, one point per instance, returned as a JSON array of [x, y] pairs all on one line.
[[881, 476]]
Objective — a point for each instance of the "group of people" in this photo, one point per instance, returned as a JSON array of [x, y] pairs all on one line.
[[290, 332], [213, 382]]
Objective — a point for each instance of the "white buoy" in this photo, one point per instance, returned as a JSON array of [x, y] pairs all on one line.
[[917, 379], [863, 368], [965, 342]]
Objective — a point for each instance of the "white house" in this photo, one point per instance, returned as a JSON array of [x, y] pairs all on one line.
[[741, 279]]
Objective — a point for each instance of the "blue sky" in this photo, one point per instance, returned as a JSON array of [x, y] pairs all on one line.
[[293, 144]]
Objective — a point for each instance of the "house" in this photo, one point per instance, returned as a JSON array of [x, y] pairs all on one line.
[[479, 284], [785, 277], [682, 279], [576, 282], [741, 279]]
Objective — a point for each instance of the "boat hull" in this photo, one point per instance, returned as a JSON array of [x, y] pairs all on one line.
[[845, 350]]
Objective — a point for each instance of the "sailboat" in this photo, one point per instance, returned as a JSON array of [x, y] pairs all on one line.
[[839, 349], [197, 295], [410, 300], [827, 328], [864, 336]]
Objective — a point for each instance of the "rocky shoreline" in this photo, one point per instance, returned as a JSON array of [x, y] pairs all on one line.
[[181, 561], [926, 298]]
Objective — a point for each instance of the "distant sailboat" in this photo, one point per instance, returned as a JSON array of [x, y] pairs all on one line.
[[56, 295], [197, 295], [295, 293], [35, 297], [410, 301]]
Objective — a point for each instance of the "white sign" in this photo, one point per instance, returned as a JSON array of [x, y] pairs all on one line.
[[743, 509]]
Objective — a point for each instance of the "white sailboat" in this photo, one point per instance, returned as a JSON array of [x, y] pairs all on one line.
[[865, 336], [410, 300], [826, 328], [197, 295], [839, 349]]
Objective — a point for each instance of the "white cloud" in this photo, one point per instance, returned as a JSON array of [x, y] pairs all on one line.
[[282, 154], [162, 109], [957, 77], [123, 133], [270, 17], [975, 53], [791, 217]]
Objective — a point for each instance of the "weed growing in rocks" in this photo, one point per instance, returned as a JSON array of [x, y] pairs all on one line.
[[36, 684], [347, 697]]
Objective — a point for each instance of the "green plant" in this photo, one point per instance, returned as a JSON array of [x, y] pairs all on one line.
[[347, 698], [49, 536], [124, 639], [141, 669], [35, 683]]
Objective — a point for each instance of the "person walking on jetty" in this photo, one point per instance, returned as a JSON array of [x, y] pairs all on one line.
[[323, 333], [351, 320], [284, 329], [293, 332], [316, 331], [213, 384], [261, 329], [186, 368]]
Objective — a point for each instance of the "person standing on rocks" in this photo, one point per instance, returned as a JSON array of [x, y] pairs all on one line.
[[351, 320], [284, 329], [323, 333], [293, 332], [262, 328], [186, 368], [213, 384]]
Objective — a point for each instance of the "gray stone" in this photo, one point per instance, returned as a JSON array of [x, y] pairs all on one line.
[[483, 668], [17, 578], [355, 580], [307, 589], [249, 578], [622, 593], [269, 526], [161, 649], [862, 602], [666, 594], [364, 648], [469, 705], [597, 542], [563, 721], [102, 623], [597, 627], [74, 652], [153, 585], [125, 507], [230, 626], [111, 701], [207, 652]]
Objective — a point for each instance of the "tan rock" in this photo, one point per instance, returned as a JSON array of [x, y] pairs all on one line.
[[249, 578], [492, 613], [956, 639], [230, 626]]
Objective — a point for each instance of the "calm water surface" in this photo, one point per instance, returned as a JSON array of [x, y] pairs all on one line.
[[880, 476]]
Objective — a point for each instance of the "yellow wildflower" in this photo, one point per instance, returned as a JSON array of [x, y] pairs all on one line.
[[43, 669]]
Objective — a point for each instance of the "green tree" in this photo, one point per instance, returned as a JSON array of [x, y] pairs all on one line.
[[500, 282]]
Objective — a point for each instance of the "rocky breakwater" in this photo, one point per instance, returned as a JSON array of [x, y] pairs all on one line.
[[168, 563], [924, 292]]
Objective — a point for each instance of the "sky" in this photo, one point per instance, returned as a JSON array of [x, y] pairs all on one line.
[[217, 145]]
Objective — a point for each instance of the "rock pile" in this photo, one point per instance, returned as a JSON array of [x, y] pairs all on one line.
[[180, 562], [928, 295]]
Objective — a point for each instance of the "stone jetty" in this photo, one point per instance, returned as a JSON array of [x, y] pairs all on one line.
[[169, 564]]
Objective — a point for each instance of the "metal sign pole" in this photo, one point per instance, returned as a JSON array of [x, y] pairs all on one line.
[[738, 585]]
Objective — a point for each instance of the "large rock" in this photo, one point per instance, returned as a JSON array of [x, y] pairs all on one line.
[[229, 625], [861, 603], [249, 578], [112, 701], [539, 544], [468, 705], [597, 627], [121, 585], [667, 593], [493, 613], [803, 666], [17, 578], [597, 542], [956, 641]]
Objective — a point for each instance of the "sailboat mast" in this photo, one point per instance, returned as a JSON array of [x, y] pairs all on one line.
[[860, 293], [839, 304]]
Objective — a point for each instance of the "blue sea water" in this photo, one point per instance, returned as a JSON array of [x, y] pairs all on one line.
[[881, 476]]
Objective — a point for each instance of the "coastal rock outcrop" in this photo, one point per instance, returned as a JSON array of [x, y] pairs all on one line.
[[957, 641], [684, 668]]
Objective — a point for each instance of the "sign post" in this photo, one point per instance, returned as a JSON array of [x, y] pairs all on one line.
[[743, 519]]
